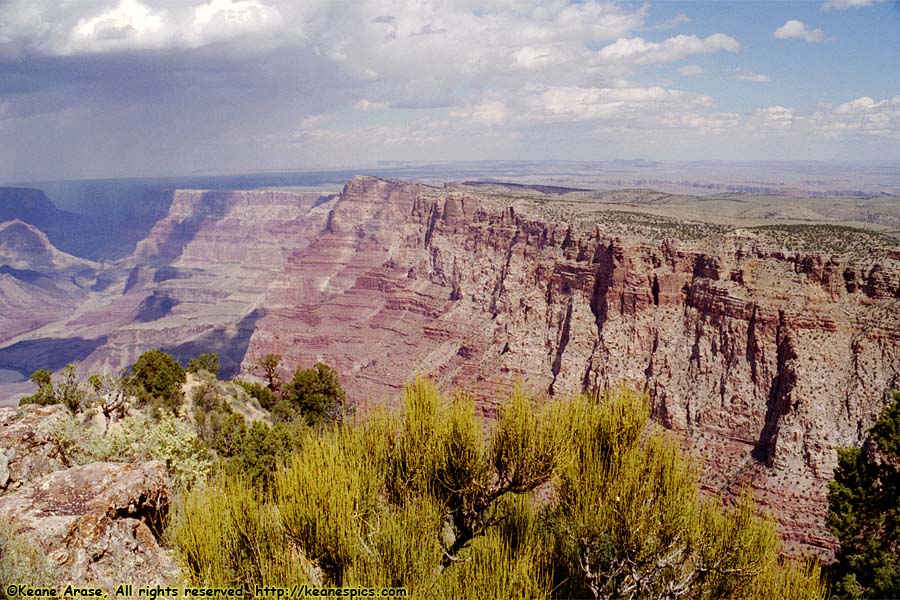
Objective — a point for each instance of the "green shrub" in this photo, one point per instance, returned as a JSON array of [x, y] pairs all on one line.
[[45, 394], [158, 378], [316, 394], [138, 439], [213, 417], [260, 449], [205, 362], [263, 394], [864, 515], [66, 390]]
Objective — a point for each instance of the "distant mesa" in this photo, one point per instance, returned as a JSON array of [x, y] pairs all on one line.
[[20, 242], [93, 237], [70, 232], [544, 189]]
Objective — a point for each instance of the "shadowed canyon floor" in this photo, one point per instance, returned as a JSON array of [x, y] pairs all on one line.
[[766, 330]]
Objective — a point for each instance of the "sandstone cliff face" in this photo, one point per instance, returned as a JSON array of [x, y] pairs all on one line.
[[764, 359]]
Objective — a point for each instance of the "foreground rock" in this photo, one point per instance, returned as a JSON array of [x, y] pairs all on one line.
[[97, 522], [28, 449]]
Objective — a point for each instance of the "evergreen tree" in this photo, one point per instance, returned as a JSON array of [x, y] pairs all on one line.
[[268, 366], [67, 390], [864, 512], [205, 362], [45, 394], [316, 394], [158, 378]]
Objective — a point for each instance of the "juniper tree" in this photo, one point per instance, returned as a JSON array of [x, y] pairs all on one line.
[[864, 512], [158, 379]]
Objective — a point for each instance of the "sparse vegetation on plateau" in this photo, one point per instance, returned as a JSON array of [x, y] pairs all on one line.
[[655, 227], [836, 239]]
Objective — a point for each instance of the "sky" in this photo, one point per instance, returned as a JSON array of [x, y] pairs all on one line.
[[134, 88]]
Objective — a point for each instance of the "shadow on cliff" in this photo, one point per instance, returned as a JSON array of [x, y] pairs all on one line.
[[779, 402], [213, 205], [53, 354], [229, 342]]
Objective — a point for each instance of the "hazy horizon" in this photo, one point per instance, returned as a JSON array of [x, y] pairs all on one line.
[[154, 88]]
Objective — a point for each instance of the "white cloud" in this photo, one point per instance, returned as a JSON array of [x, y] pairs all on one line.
[[128, 25], [863, 105], [750, 76], [706, 123], [592, 103], [773, 117], [862, 116], [844, 4], [641, 52], [799, 30], [367, 105], [140, 25], [677, 21], [531, 57], [475, 39], [575, 113], [489, 113], [454, 72], [221, 19]]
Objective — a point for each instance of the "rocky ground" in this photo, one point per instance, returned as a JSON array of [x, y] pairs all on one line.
[[92, 523]]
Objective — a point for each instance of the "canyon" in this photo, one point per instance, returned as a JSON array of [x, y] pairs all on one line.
[[765, 333]]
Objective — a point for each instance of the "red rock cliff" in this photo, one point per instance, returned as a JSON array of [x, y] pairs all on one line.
[[766, 360]]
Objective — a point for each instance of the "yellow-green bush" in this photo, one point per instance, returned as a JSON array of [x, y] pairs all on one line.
[[578, 497], [227, 533], [630, 522]]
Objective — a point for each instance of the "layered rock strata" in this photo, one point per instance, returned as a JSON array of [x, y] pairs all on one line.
[[194, 284], [38, 283], [764, 359]]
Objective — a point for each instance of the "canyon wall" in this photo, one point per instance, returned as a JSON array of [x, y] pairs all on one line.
[[193, 285], [38, 282], [765, 360]]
